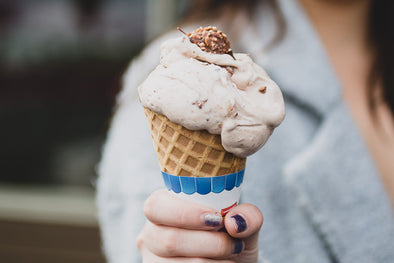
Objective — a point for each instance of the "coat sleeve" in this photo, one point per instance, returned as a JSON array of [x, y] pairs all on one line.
[[129, 170]]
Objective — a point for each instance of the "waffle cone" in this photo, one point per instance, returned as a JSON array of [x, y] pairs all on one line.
[[183, 152]]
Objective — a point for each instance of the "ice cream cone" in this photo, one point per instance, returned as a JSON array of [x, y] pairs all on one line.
[[183, 152], [199, 76]]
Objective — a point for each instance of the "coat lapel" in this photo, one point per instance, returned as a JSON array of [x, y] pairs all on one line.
[[338, 187]]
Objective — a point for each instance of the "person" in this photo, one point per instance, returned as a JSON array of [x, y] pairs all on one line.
[[325, 179]]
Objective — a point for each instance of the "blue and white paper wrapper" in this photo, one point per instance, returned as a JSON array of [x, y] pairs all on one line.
[[219, 192]]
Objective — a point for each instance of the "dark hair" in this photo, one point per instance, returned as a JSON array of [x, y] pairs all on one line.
[[227, 9], [380, 36]]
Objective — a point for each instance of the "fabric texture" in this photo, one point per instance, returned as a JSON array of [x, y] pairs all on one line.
[[314, 180]]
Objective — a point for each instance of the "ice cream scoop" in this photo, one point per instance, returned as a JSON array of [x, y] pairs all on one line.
[[201, 87]]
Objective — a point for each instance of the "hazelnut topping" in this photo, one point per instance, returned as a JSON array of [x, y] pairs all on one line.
[[210, 39]]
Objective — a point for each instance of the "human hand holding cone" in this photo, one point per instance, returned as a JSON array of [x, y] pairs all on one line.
[[194, 163]]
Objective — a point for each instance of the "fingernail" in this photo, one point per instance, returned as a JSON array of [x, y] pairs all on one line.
[[239, 223], [238, 246], [212, 219]]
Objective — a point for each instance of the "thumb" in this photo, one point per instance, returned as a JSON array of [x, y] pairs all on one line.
[[244, 222]]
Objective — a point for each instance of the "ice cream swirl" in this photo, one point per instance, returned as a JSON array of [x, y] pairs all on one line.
[[230, 96]]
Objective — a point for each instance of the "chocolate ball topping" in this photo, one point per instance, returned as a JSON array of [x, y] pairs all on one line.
[[211, 40]]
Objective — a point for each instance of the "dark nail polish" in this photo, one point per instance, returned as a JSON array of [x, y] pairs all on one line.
[[239, 223], [212, 219], [238, 247]]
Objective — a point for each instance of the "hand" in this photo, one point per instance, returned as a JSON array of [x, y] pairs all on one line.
[[181, 231]]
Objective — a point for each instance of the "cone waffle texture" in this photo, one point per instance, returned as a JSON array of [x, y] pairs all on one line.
[[183, 152]]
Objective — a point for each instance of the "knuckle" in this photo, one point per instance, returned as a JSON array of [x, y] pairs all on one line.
[[150, 203], [223, 245], [148, 208], [140, 241], [142, 236], [170, 242], [182, 217]]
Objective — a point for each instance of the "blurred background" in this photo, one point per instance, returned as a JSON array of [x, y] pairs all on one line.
[[61, 63]]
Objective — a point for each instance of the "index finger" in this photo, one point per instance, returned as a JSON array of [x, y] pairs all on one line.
[[162, 208]]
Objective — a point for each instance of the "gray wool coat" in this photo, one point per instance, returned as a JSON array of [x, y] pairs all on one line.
[[314, 180]]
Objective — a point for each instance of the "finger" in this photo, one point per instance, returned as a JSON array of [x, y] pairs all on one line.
[[243, 221], [148, 257], [167, 241], [184, 260], [165, 209]]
